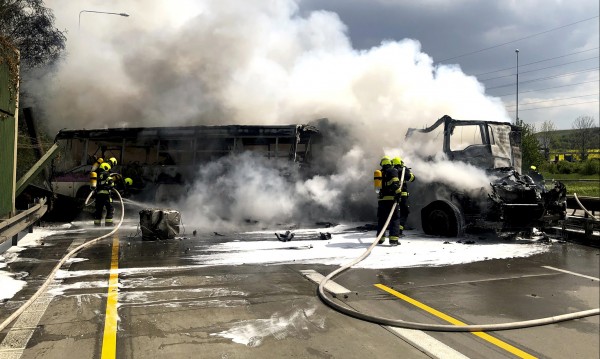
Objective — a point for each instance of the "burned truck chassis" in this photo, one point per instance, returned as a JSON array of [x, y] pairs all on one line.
[[461, 213], [513, 204]]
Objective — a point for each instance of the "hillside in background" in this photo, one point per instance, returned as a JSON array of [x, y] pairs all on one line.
[[565, 139]]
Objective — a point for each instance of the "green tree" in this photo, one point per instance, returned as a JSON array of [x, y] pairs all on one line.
[[585, 128], [547, 137], [530, 147], [29, 26]]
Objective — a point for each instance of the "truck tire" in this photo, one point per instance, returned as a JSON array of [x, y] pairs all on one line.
[[442, 218]]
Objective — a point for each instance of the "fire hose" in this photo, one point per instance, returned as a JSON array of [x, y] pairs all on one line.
[[432, 327], [46, 283], [584, 209]]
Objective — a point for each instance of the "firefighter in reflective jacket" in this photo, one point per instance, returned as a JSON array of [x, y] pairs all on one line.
[[390, 192], [104, 186], [403, 208], [536, 177]]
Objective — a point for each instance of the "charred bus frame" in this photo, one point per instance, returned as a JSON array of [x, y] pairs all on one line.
[[154, 155]]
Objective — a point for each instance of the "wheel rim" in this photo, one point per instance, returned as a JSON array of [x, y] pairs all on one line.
[[440, 221]]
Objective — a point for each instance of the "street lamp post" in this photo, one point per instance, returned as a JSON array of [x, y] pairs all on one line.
[[101, 12], [517, 114]]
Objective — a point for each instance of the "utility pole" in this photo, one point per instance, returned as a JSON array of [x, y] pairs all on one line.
[[517, 114]]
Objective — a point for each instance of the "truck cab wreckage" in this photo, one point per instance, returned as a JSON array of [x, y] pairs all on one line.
[[513, 203]]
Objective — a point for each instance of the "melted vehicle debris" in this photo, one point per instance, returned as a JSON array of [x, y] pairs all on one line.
[[512, 204]]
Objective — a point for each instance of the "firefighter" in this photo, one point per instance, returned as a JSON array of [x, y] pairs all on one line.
[[121, 184], [389, 193], [403, 207], [536, 177], [104, 186]]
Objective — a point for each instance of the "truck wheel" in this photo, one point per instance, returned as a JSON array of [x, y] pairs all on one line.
[[442, 218]]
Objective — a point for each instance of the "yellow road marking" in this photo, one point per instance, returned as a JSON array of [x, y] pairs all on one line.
[[499, 343], [109, 340]]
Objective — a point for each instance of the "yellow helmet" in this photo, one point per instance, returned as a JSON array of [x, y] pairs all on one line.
[[128, 181], [113, 161], [105, 166], [385, 160], [396, 161], [533, 168]]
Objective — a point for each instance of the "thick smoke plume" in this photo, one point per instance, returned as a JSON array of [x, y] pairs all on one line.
[[220, 62]]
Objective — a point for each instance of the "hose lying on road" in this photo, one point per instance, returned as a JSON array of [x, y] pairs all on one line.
[[434, 327], [46, 283]]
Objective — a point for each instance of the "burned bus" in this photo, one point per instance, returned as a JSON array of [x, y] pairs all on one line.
[[160, 159]]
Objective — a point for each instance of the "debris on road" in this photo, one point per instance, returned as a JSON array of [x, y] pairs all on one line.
[[324, 236], [285, 237]]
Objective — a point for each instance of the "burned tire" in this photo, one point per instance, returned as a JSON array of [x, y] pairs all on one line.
[[442, 218]]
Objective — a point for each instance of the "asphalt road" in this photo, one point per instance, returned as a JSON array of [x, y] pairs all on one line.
[[129, 298]]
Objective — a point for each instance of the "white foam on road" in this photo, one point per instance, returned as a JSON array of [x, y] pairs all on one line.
[[416, 249], [9, 283]]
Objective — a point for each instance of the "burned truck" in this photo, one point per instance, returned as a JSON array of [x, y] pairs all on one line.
[[512, 204]]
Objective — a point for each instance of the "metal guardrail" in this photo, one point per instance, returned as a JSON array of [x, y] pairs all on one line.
[[592, 204], [11, 227], [579, 226], [571, 180]]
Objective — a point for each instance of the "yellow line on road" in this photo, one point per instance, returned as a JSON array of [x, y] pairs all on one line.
[[499, 343], [109, 340]]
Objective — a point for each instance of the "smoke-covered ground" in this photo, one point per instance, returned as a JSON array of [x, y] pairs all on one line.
[[221, 62]]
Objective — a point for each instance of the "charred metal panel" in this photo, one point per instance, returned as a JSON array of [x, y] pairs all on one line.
[[170, 155]]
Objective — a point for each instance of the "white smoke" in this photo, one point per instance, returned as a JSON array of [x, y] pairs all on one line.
[[220, 62]]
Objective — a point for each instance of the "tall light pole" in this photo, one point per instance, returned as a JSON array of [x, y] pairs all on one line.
[[100, 12], [517, 114]]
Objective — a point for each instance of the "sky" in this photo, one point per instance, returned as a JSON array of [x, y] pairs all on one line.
[[228, 50], [557, 42]]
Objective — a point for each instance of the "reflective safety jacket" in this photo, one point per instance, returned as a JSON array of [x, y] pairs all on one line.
[[105, 183], [390, 185]]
